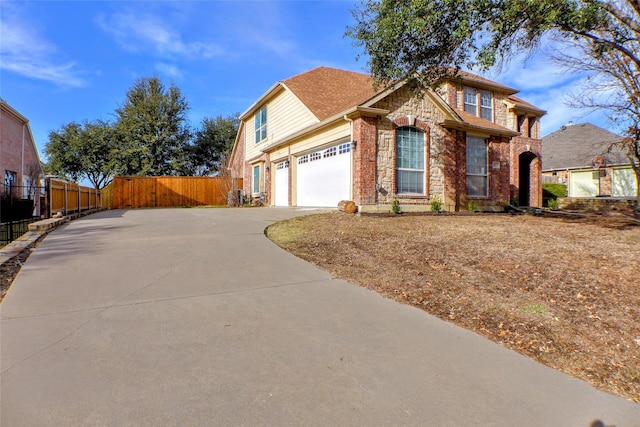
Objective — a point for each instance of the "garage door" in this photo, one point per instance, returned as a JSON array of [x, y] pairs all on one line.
[[282, 184], [624, 183], [324, 177], [583, 184]]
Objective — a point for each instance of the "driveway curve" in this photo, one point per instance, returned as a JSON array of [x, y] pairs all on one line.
[[192, 317]]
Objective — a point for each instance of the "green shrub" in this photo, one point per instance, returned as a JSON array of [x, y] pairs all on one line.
[[436, 205], [552, 204], [395, 206], [553, 191], [472, 206]]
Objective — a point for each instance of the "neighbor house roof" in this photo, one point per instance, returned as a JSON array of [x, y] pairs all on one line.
[[575, 146]]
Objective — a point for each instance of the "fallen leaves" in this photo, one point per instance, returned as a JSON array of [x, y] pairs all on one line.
[[577, 280]]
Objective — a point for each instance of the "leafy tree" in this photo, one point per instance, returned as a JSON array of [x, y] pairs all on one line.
[[426, 41], [212, 144], [153, 128], [83, 150]]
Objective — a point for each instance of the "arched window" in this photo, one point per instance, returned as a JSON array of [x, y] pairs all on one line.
[[409, 161]]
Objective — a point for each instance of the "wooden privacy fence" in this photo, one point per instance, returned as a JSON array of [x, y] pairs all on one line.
[[127, 192], [68, 197]]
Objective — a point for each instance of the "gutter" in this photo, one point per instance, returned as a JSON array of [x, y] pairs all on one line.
[[351, 112]]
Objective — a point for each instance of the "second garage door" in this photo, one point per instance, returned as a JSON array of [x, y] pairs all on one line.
[[583, 183], [324, 177]]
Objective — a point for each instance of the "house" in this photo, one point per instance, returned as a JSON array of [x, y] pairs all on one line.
[[19, 160], [585, 158], [327, 135]]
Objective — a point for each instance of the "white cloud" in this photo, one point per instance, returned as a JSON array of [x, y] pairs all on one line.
[[169, 70], [25, 52], [139, 33]]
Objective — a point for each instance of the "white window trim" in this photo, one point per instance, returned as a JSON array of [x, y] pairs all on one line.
[[263, 126], [486, 174], [465, 103], [253, 179], [480, 106], [423, 170]]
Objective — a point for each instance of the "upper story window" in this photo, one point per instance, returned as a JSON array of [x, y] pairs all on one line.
[[261, 124], [478, 103], [471, 100], [410, 170], [486, 105]]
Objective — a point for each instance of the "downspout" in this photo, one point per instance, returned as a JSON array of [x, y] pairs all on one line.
[[353, 153], [24, 125]]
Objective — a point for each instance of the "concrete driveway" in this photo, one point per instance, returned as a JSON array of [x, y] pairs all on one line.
[[191, 317]]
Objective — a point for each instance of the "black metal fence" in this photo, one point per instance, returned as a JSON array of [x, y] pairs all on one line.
[[12, 230]]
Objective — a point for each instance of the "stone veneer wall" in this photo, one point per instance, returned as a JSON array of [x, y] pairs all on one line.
[[427, 116]]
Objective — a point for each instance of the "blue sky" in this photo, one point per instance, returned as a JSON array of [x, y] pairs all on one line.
[[64, 61]]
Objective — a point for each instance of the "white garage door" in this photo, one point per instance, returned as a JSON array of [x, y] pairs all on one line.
[[583, 184], [324, 177], [624, 183], [282, 184]]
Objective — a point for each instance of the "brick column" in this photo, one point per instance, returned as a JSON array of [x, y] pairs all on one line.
[[365, 132], [455, 170]]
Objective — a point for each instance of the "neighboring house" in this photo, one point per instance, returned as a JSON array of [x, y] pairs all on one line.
[[327, 135], [585, 158], [19, 160]]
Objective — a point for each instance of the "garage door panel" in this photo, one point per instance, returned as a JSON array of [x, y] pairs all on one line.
[[583, 184], [282, 184], [624, 183], [324, 177]]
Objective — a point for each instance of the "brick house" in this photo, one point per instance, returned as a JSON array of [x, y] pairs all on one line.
[[19, 160], [570, 154], [327, 135]]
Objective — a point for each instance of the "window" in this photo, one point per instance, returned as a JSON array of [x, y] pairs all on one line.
[[261, 124], [409, 161], [486, 105], [330, 152], [256, 179], [344, 148], [471, 100], [477, 167], [9, 180]]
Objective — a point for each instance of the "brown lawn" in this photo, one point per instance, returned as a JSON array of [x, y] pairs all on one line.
[[563, 292]]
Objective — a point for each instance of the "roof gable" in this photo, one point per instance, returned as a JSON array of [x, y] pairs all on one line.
[[329, 91]]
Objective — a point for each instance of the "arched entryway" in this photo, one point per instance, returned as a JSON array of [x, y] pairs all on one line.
[[524, 182]]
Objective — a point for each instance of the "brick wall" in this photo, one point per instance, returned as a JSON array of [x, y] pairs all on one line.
[[13, 132], [520, 145], [364, 160]]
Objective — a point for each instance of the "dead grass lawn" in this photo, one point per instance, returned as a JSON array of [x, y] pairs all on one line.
[[564, 292]]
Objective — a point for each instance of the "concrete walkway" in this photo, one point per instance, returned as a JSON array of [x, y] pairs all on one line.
[[191, 317]]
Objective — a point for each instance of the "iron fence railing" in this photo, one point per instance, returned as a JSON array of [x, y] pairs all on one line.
[[12, 230]]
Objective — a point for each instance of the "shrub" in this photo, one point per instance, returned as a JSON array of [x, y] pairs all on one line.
[[395, 206], [436, 205], [552, 204], [553, 191], [472, 206]]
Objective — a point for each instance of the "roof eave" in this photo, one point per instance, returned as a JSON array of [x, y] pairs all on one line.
[[350, 113], [461, 125], [260, 101]]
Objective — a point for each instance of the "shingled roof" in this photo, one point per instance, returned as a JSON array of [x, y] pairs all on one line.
[[575, 146], [328, 91]]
